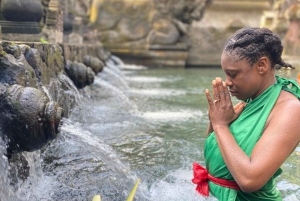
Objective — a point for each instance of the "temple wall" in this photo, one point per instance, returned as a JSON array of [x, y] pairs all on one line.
[[220, 21]]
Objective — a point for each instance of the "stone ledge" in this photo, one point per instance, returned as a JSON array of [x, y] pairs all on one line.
[[241, 5], [152, 58]]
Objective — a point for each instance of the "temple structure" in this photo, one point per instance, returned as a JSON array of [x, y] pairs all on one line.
[[31, 20], [169, 33], [220, 21], [153, 33]]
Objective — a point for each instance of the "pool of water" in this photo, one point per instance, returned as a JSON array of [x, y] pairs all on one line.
[[138, 123]]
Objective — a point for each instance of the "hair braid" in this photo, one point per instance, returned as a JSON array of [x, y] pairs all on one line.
[[253, 43]]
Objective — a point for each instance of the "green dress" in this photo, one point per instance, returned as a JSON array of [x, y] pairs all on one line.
[[247, 130]]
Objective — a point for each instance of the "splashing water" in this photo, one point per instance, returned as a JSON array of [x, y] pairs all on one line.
[[6, 191], [114, 78], [115, 61]]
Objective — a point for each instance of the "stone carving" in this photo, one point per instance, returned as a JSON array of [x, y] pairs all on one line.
[[14, 69], [33, 58], [35, 93], [122, 21], [162, 22], [28, 117], [79, 73], [171, 19], [94, 63]]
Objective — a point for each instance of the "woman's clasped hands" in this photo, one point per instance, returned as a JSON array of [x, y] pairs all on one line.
[[221, 110]]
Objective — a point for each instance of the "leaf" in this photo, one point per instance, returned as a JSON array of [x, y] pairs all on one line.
[[132, 193], [97, 198]]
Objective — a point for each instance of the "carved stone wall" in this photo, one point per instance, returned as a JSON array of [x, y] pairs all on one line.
[[153, 33], [163, 22], [220, 21], [26, 70]]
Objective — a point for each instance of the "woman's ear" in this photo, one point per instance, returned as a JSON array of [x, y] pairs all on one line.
[[263, 65]]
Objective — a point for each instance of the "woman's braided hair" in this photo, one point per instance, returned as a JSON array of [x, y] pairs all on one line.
[[253, 43]]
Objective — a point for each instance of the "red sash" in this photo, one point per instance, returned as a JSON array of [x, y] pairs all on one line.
[[201, 177]]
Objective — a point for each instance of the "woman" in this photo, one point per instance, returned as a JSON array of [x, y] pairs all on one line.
[[247, 143]]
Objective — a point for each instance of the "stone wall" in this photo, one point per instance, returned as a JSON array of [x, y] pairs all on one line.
[[35, 84], [220, 21]]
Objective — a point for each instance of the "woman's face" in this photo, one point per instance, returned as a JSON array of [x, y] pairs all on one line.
[[242, 79]]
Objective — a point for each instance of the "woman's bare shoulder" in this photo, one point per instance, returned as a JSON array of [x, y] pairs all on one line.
[[287, 100], [287, 107]]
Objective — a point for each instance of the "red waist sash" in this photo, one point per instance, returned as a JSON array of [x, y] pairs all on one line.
[[201, 177]]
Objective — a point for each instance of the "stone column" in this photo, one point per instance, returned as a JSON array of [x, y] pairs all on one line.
[[75, 37], [53, 14], [21, 16]]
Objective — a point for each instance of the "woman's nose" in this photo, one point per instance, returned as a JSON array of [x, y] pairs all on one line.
[[228, 81]]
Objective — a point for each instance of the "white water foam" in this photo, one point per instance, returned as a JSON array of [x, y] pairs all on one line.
[[148, 79], [113, 78], [133, 67], [172, 116], [6, 192], [157, 92], [177, 186], [46, 91]]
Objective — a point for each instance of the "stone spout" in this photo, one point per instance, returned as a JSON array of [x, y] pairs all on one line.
[[28, 118], [93, 62], [79, 73]]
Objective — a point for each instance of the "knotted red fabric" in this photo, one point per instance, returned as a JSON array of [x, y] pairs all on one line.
[[201, 177]]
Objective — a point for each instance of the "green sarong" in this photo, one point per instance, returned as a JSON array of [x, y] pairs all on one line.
[[247, 130]]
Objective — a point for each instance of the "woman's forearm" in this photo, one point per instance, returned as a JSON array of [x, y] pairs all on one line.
[[238, 163]]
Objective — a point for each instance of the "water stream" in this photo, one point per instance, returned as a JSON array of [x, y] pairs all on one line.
[[132, 123]]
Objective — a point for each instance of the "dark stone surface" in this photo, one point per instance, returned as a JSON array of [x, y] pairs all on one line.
[[22, 10], [79, 73], [28, 118], [94, 63], [20, 27], [16, 71]]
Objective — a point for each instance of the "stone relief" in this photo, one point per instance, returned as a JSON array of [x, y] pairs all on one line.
[[162, 22], [287, 18], [171, 19]]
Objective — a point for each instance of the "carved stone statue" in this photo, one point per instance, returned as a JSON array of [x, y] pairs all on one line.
[[172, 18], [162, 22]]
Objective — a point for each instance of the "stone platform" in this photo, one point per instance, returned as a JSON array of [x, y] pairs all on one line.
[[155, 56], [20, 27]]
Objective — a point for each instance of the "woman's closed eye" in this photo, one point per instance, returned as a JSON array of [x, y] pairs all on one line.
[[231, 74]]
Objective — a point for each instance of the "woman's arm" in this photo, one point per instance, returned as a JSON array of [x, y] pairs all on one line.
[[279, 139]]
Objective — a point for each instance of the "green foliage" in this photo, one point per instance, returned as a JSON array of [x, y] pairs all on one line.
[[43, 40]]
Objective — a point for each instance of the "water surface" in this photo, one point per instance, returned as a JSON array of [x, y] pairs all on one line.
[[138, 123]]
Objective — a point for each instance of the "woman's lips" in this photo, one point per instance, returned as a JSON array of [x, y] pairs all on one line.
[[233, 93]]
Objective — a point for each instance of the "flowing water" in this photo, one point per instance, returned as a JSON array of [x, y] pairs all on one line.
[[132, 123]]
